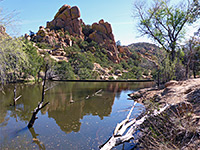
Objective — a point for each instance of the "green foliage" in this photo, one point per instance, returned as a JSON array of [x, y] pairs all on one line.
[[44, 45], [165, 23], [13, 60], [79, 60], [35, 60], [169, 70], [64, 71], [84, 73]]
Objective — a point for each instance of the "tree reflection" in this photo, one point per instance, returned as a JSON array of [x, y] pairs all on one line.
[[36, 140]]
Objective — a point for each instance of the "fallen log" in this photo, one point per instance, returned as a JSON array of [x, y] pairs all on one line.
[[125, 130]]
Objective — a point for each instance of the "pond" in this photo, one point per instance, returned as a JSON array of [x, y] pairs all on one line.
[[81, 115]]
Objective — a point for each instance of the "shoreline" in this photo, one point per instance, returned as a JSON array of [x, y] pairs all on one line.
[[103, 80], [178, 127]]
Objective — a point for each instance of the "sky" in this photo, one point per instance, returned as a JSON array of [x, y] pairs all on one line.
[[119, 13]]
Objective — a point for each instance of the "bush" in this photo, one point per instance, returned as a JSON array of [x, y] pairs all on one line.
[[35, 60], [84, 74], [44, 45], [64, 71]]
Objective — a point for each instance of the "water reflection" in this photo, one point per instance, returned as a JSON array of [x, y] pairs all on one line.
[[41, 145], [70, 102]]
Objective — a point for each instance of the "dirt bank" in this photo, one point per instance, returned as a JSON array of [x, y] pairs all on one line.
[[179, 126]]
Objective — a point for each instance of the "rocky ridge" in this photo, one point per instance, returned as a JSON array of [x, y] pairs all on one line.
[[67, 25]]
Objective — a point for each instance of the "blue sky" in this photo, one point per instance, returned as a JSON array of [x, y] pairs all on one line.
[[34, 13]]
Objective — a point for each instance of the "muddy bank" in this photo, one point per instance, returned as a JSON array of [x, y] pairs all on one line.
[[179, 126]]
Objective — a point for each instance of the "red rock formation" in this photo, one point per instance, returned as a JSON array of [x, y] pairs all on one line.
[[66, 24], [67, 18]]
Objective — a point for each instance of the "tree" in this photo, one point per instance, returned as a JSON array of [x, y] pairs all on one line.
[[13, 60], [118, 43], [36, 62], [192, 55], [9, 20], [164, 22]]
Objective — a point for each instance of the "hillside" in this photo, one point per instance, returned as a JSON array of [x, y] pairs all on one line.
[[88, 51], [144, 48]]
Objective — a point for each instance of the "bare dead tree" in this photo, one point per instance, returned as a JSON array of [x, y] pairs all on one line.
[[15, 98], [40, 104], [125, 130]]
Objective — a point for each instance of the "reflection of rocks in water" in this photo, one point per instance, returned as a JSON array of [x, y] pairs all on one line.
[[101, 106], [69, 118], [68, 115], [3, 120]]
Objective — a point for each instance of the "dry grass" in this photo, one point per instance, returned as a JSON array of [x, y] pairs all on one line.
[[176, 128]]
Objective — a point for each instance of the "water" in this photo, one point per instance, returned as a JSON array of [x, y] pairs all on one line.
[[84, 124]]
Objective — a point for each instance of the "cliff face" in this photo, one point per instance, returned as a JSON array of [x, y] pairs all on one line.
[[67, 21], [67, 18]]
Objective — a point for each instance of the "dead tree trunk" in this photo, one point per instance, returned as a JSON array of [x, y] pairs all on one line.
[[40, 105], [125, 130], [14, 98]]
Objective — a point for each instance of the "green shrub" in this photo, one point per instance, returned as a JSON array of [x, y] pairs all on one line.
[[44, 45], [84, 73], [64, 71]]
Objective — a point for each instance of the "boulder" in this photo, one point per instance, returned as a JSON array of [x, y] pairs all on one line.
[[108, 27], [64, 7], [171, 83], [75, 12], [67, 18], [42, 32], [67, 13], [95, 36], [99, 27], [62, 17], [60, 23], [2, 29], [27, 37], [114, 58]]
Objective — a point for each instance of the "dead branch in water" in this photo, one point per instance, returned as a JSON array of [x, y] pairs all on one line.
[[40, 104], [97, 93], [125, 130], [14, 98]]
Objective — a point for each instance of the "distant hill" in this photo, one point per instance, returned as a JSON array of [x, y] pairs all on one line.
[[145, 48]]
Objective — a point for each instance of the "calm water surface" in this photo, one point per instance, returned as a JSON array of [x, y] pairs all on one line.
[[84, 124]]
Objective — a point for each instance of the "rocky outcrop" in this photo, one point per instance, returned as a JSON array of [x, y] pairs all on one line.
[[67, 18], [102, 32], [103, 35], [106, 73], [54, 38], [66, 26]]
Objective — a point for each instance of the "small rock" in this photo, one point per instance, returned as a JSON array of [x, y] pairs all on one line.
[[170, 83]]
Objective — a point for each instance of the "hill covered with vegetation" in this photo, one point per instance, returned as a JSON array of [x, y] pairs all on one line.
[[79, 51], [76, 51]]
